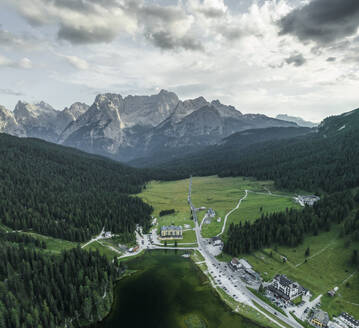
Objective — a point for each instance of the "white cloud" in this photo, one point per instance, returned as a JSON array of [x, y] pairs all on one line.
[[77, 62], [24, 63]]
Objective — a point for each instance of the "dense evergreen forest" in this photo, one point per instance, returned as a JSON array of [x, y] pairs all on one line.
[[39, 290], [324, 161], [289, 228], [65, 193]]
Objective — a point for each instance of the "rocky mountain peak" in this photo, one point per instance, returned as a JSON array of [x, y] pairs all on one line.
[[76, 109], [4, 111], [224, 109], [164, 92], [109, 101], [24, 109], [8, 123]]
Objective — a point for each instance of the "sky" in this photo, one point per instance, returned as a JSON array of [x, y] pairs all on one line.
[[299, 57]]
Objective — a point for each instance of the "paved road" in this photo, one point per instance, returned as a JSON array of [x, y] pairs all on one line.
[[223, 275]]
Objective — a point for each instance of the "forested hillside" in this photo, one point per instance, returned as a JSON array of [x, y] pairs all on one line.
[[325, 161], [71, 195], [38, 290], [289, 228], [65, 193]]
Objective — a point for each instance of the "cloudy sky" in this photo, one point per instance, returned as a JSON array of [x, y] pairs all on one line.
[[299, 57]]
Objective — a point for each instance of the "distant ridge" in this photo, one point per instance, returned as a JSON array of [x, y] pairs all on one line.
[[298, 120]]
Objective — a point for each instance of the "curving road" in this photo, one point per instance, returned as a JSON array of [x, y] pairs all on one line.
[[235, 288], [231, 211]]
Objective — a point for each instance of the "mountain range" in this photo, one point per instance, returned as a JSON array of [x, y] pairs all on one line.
[[126, 128], [298, 120]]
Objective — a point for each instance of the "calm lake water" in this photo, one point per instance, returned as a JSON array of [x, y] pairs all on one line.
[[168, 291]]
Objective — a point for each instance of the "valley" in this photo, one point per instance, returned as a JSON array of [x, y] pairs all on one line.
[[179, 164], [222, 195]]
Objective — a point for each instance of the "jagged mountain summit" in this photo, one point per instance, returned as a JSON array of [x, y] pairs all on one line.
[[38, 120], [298, 120], [8, 123], [125, 128]]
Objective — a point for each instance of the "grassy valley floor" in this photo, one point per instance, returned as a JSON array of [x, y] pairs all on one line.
[[220, 194]]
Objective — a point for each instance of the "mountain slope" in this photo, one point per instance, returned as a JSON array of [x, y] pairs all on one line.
[[327, 160], [212, 159], [65, 193]]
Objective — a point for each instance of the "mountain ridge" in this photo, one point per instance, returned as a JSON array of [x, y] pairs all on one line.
[[298, 120], [125, 128]]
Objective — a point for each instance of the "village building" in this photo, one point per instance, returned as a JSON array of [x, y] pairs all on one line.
[[243, 266], [207, 220], [333, 291], [171, 232], [349, 320], [216, 241], [211, 213], [235, 264], [133, 249], [320, 319], [306, 200], [286, 288]]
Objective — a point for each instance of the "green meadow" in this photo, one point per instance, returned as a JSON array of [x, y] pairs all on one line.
[[220, 194]]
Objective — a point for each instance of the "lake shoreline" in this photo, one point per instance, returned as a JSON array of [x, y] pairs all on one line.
[[201, 281]]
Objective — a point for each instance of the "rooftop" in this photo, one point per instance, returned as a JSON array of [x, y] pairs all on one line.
[[283, 280], [321, 316], [171, 227]]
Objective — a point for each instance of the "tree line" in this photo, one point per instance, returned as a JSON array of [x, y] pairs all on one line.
[[167, 212], [290, 227]]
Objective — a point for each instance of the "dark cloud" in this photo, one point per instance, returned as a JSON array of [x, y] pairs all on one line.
[[297, 60], [230, 33], [85, 35], [10, 92], [157, 13], [156, 21], [167, 41], [212, 12], [331, 59], [82, 6], [322, 21], [101, 21]]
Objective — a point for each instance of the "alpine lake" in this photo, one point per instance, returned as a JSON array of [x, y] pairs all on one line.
[[168, 290]]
